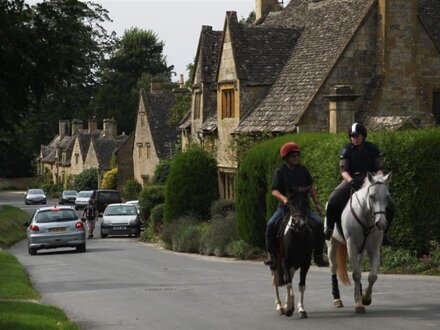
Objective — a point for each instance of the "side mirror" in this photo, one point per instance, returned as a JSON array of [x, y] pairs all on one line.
[[83, 219]]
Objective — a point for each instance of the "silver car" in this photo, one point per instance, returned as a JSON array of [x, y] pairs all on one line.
[[55, 227], [34, 196], [83, 199], [120, 219]]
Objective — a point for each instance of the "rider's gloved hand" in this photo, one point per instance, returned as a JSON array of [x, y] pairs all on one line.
[[356, 184]]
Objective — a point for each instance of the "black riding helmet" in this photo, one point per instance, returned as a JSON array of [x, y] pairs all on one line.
[[357, 128]]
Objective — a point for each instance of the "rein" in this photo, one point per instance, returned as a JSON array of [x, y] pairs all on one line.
[[365, 229]]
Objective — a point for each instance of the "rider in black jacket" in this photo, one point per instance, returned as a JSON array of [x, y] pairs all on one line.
[[356, 159]]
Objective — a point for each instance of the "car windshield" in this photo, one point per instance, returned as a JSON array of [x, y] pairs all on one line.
[[111, 196], [56, 215], [70, 192], [35, 191], [120, 210], [85, 193]]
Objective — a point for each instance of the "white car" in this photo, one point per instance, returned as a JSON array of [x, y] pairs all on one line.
[[82, 199], [135, 203], [120, 219]]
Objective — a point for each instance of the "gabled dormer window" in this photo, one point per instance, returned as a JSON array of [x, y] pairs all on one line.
[[228, 103], [76, 159], [148, 146], [139, 148]]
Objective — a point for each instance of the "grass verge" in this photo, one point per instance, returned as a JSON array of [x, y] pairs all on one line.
[[15, 287]]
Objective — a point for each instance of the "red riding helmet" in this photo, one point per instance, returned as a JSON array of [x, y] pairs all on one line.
[[289, 147]]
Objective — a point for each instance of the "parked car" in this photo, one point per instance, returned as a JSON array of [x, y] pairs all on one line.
[[120, 219], [55, 227], [34, 196], [135, 203], [68, 197], [82, 199], [102, 198]]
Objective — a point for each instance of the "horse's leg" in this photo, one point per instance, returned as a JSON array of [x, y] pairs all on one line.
[[372, 277], [302, 288], [290, 298], [275, 282], [356, 266], [331, 248]]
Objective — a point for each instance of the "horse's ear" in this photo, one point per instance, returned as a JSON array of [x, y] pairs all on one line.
[[387, 178], [370, 177]]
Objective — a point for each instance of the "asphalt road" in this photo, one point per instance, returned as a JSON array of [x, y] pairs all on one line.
[[121, 283]]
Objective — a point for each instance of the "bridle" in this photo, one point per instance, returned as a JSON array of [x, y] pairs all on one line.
[[365, 228]]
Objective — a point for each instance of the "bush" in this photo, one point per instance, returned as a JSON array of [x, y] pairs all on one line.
[[110, 179], [161, 172], [182, 235], [242, 250], [191, 186], [149, 197], [131, 190], [87, 180], [221, 232], [157, 216], [222, 207]]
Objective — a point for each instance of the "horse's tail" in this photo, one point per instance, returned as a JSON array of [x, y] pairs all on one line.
[[341, 259]]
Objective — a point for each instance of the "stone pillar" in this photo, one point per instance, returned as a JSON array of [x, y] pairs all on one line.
[[341, 107], [263, 7], [77, 124], [63, 128], [92, 125], [110, 128]]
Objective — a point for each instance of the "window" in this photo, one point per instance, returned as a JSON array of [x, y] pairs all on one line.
[[197, 98], [228, 110], [227, 184], [142, 117], [139, 147], [76, 158], [436, 106], [148, 145]]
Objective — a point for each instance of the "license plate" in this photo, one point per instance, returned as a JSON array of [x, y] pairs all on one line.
[[119, 228], [57, 229]]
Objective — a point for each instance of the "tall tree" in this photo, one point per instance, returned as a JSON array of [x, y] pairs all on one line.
[[137, 58], [49, 56]]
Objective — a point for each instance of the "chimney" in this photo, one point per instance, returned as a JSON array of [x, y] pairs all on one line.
[[263, 7], [156, 87], [76, 125], [181, 81], [92, 124], [110, 128], [63, 128], [341, 107]]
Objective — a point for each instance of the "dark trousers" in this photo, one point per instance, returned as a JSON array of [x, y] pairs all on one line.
[[339, 198]]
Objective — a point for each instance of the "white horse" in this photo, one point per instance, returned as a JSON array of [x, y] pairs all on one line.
[[362, 221]]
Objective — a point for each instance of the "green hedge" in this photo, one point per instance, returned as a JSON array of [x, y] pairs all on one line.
[[413, 156], [191, 186]]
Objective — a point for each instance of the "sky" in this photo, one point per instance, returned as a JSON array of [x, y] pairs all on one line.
[[176, 22]]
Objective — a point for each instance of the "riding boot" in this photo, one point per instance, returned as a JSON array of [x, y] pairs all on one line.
[[270, 247], [329, 226], [318, 256]]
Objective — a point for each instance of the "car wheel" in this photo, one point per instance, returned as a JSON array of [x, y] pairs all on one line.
[[138, 233], [81, 248], [103, 235], [32, 251]]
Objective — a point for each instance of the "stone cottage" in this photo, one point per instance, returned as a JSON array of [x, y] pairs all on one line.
[[154, 138], [75, 149], [317, 66]]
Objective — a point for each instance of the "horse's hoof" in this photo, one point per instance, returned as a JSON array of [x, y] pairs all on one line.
[[288, 313], [280, 311], [366, 302], [360, 310], [303, 315], [338, 303]]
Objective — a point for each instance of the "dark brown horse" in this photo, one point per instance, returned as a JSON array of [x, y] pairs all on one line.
[[295, 243]]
